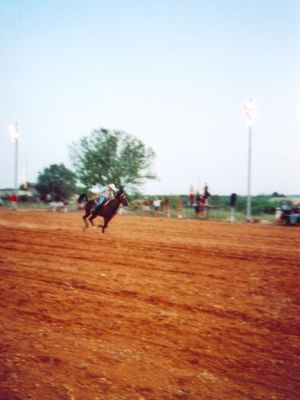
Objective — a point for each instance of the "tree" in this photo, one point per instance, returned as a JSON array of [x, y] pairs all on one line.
[[276, 194], [112, 157], [56, 181]]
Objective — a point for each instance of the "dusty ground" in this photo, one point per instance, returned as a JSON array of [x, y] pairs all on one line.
[[154, 309]]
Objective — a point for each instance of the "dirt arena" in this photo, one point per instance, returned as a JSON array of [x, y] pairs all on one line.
[[154, 309]]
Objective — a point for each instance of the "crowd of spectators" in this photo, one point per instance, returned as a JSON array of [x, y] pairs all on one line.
[[58, 205], [152, 205], [288, 213]]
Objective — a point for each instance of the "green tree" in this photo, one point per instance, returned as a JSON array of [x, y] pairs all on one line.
[[56, 181], [116, 157]]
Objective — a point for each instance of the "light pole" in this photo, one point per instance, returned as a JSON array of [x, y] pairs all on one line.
[[250, 113], [14, 135]]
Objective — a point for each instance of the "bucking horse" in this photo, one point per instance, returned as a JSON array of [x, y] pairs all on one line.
[[107, 210]]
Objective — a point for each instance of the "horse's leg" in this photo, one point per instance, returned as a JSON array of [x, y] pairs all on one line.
[[102, 226], [85, 217], [105, 225], [88, 208], [106, 221], [91, 219]]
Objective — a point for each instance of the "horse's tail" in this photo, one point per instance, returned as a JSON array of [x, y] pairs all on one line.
[[82, 198]]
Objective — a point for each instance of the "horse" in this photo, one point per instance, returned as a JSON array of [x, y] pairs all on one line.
[[108, 210]]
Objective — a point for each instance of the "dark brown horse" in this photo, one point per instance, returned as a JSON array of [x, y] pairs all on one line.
[[108, 210]]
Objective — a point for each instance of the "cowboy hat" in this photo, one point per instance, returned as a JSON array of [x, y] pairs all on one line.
[[112, 186]]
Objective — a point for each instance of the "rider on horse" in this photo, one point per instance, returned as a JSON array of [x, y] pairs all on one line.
[[105, 193]]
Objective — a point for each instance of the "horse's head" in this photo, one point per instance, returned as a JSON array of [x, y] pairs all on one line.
[[121, 196]]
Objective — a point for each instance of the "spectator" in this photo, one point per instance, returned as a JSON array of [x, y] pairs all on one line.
[[232, 203], [294, 216], [60, 205], [197, 204], [191, 197], [157, 205], [1, 202], [14, 200], [206, 193], [278, 214], [198, 199], [285, 207], [52, 206], [146, 205], [66, 205]]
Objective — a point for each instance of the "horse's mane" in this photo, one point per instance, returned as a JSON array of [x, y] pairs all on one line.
[[120, 191]]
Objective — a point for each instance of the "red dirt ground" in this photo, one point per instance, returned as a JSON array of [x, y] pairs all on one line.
[[154, 309]]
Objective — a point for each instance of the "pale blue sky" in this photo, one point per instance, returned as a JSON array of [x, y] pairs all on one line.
[[173, 73]]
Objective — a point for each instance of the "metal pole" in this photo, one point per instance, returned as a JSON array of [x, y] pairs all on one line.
[[249, 177], [26, 169], [14, 135], [16, 164]]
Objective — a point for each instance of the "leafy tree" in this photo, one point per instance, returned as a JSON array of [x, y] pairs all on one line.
[[116, 157], [28, 186], [56, 181], [276, 194]]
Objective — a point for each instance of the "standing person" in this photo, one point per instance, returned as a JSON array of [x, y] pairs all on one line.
[[206, 193], [205, 197], [285, 207], [66, 205], [197, 203], [52, 206], [105, 193], [157, 205], [191, 196], [294, 216], [146, 205], [14, 200], [198, 198], [286, 212], [232, 203]]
